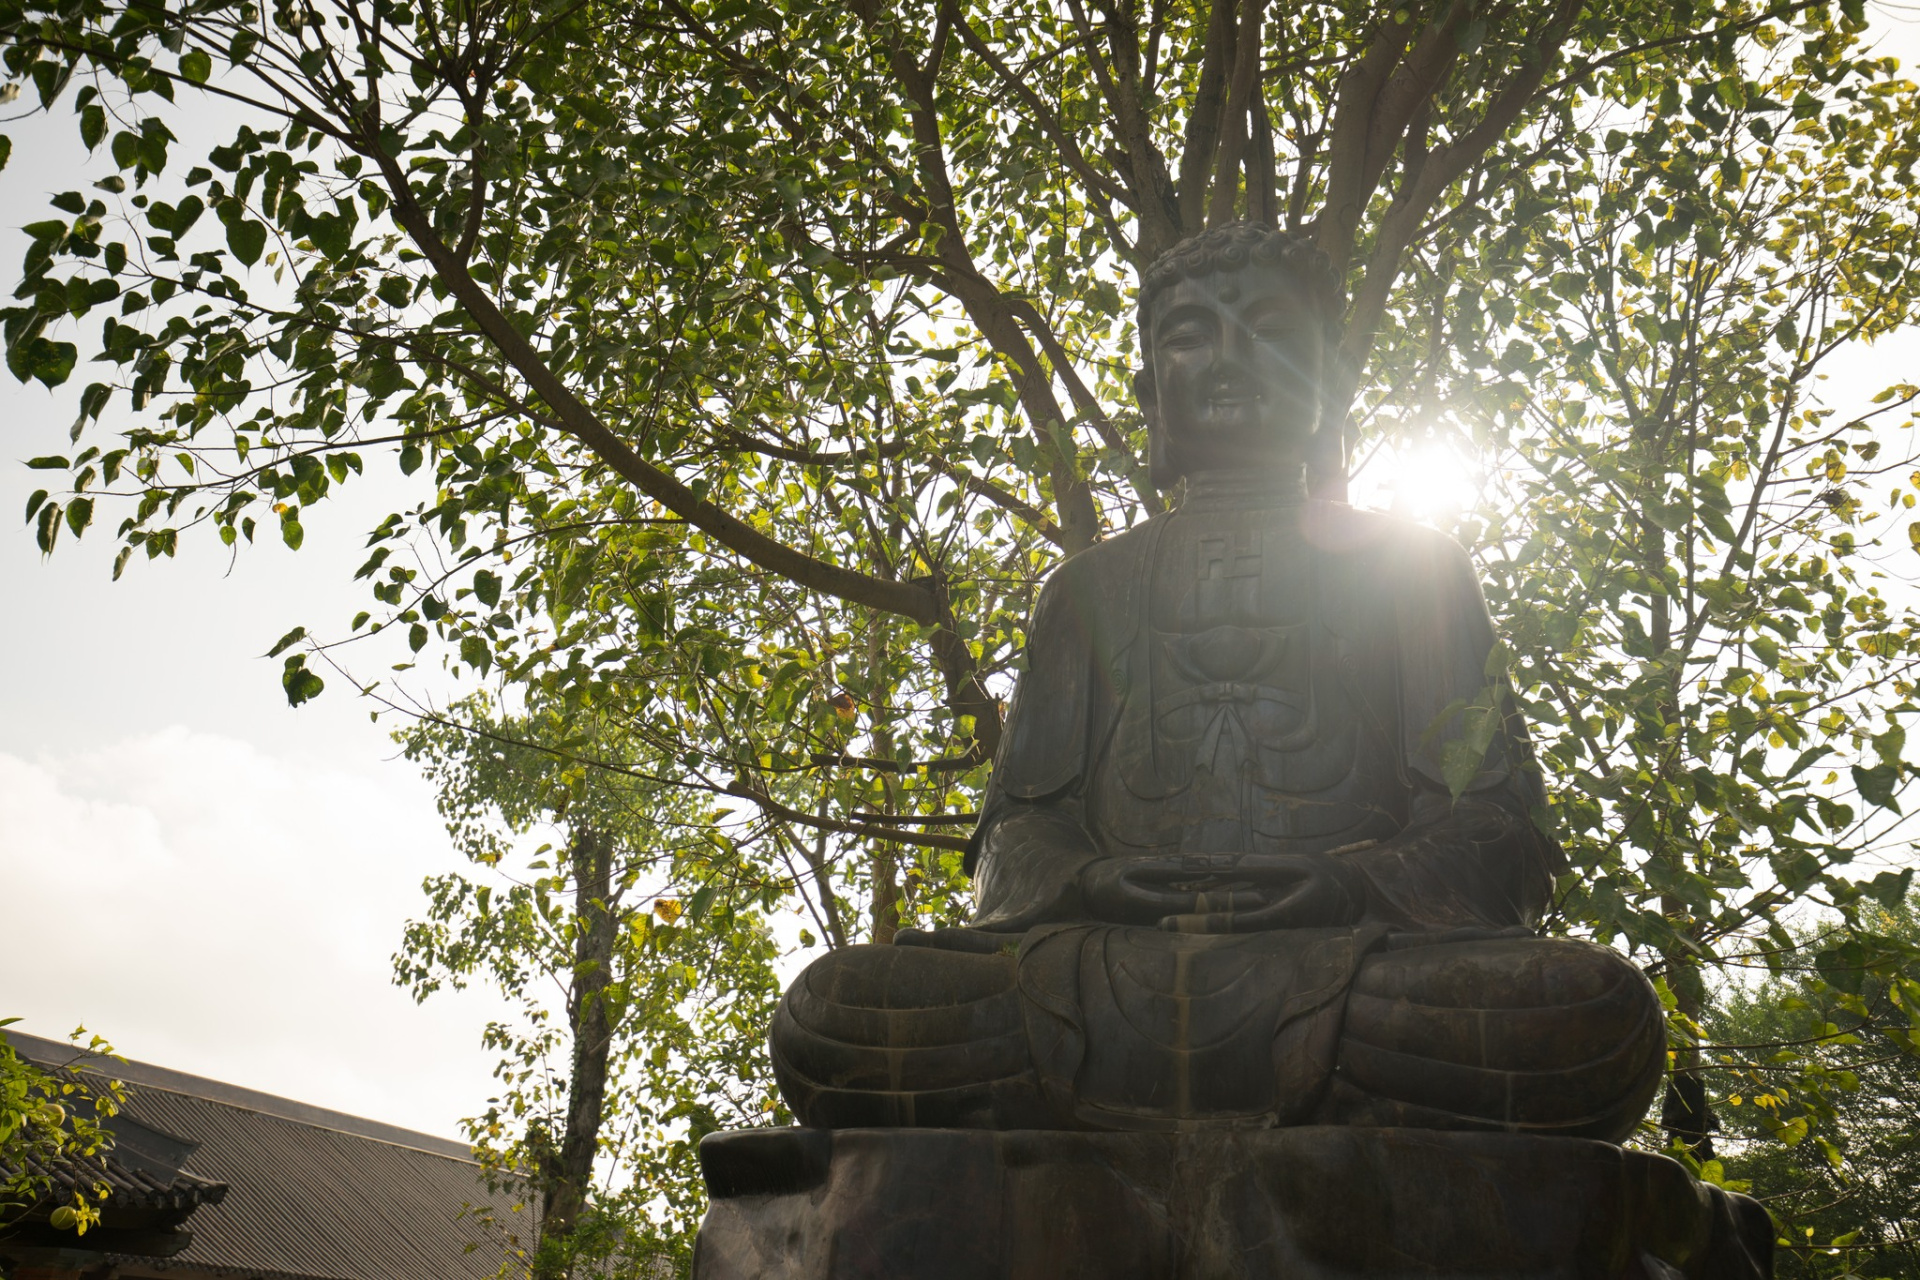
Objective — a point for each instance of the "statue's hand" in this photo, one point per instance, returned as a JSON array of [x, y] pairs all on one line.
[[1277, 891], [1152, 890]]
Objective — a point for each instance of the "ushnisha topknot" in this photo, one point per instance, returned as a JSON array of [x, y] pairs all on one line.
[[1235, 245]]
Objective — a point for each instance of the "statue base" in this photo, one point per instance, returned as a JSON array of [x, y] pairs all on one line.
[[1314, 1203]]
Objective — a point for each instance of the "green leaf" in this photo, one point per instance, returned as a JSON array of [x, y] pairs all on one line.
[[46, 530], [93, 126], [1465, 731], [1890, 888], [186, 213], [487, 587], [287, 641], [1877, 784], [247, 239], [1890, 744], [300, 684], [475, 653], [195, 66], [51, 362], [1718, 525]]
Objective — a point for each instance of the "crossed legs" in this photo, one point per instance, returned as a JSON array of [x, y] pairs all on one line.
[[1549, 1036]]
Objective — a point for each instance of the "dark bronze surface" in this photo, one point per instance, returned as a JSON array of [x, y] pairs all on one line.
[[1311, 1203], [1264, 846]]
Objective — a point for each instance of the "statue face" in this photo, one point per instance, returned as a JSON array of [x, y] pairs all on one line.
[[1236, 370]]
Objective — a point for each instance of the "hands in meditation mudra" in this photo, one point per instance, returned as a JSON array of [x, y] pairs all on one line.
[[1222, 881]]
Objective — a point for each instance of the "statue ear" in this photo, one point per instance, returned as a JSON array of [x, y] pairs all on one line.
[[1327, 461], [1160, 470], [1327, 450], [1144, 391], [1158, 465]]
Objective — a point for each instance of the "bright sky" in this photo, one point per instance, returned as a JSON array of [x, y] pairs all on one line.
[[208, 878], [211, 880]]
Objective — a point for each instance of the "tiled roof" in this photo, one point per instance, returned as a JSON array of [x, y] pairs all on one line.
[[310, 1193], [130, 1187]]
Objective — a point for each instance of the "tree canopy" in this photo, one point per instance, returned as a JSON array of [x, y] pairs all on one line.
[[750, 364], [1846, 1200]]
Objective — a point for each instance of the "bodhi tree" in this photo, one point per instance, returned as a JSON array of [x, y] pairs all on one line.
[[1697, 559], [1698, 563], [1854, 1217], [640, 1014], [831, 297], [752, 362]]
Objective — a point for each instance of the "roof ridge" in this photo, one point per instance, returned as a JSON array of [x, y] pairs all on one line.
[[146, 1075]]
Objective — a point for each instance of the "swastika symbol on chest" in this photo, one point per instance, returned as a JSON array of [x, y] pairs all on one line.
[[1228, 574]]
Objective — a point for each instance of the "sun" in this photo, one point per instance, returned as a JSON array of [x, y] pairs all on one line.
[[1429, 479]]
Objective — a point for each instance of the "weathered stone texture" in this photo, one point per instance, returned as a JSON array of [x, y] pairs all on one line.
[[1314, 1203]]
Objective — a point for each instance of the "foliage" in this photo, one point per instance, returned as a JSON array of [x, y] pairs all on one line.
[[753, 362], [1687, 547], [50, 1121], [755, 354], [1831, 1048], [686, 985]]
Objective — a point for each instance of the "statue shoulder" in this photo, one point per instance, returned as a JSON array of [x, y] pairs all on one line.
[[1120, 554], [1393, 543], [1101, 579]]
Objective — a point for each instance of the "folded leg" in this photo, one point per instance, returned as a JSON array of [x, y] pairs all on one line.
[[907, 1036], [1549, 1036]]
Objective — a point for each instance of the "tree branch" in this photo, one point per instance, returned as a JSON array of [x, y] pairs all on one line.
[[1209, 107], [580, 422]]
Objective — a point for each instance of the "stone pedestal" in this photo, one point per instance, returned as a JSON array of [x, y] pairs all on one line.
[[1315, 1203]]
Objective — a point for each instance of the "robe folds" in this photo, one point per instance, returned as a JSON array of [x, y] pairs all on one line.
[[1246, 676]]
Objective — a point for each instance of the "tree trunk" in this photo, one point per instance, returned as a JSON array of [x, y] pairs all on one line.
[[1687, 1111], [1686, 1114], [885, 904], [568, 1173]]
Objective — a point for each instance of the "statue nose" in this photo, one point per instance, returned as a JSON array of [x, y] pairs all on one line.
[[1231, 355], [1228, 377]]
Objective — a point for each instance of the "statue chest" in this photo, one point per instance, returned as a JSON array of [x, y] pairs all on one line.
[[1257, 701]]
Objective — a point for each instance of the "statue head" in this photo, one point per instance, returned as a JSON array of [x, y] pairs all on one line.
[[1235, 327]]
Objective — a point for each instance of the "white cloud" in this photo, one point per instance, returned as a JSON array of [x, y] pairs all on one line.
[[219, 909]]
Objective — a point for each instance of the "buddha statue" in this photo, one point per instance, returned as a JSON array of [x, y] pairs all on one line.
[[1265, 843]]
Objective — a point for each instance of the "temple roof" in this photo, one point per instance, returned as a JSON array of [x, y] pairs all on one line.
[[272, 1187], [133, 1183]]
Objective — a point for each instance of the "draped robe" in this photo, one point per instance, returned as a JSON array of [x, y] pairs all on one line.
[[1252, 673]]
